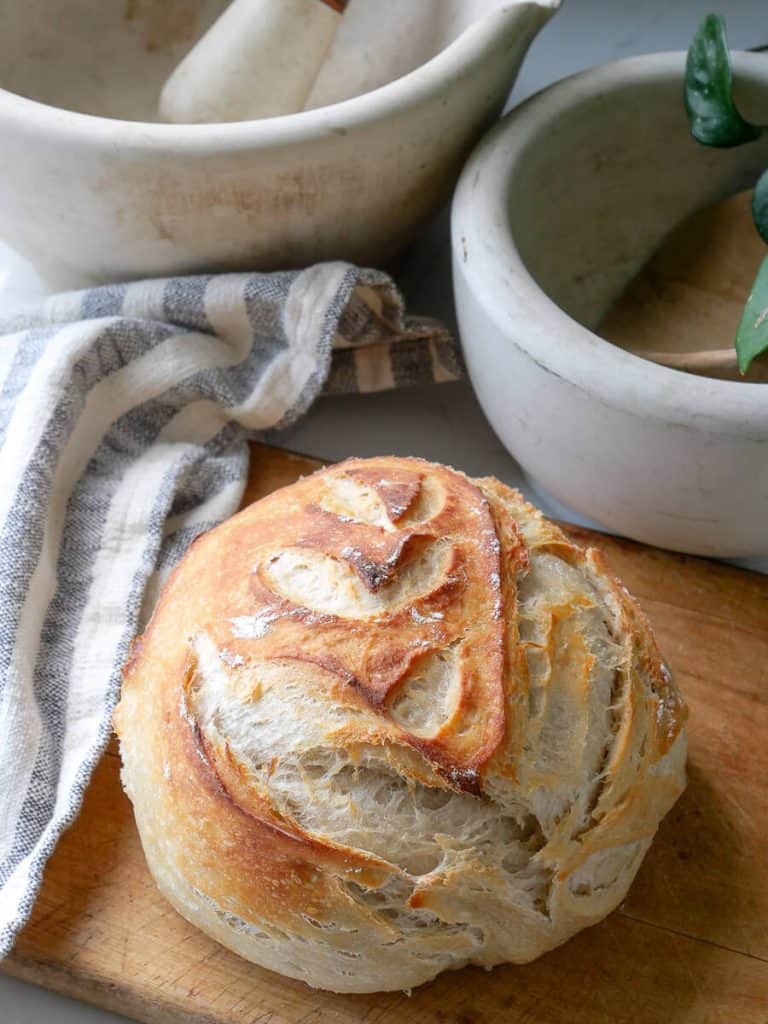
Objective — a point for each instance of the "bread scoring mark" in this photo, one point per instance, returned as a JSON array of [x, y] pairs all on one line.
[[374, 575], [275, 609], [565, 697], [327, 662], [347, 586], [514, 562], [375, 554], [194, 740], [365, 495], [377, 596], [630, 620], [397, 490], [425, 698], [221, 774], [349, 501]]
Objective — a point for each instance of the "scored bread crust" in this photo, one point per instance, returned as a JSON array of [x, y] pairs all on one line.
[[389, 720]]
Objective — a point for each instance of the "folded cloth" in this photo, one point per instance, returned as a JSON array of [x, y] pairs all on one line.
[[125, 412]]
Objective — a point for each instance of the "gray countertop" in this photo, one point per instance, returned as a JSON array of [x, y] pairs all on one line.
[[444, 422]]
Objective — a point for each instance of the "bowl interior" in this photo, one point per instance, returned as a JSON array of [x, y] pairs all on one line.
[[106, 57], [607, 168], [112, 57]]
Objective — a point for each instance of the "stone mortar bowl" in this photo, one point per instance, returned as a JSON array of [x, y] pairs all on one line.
[[555, 212], [93, 197]]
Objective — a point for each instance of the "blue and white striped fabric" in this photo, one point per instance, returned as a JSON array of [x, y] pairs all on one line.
[[124, 416]]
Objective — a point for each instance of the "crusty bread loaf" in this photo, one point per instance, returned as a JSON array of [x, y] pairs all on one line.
[[389, 721]]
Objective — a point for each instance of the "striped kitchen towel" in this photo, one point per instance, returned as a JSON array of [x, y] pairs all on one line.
[[124, 416]]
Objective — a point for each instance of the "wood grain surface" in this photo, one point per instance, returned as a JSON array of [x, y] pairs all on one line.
[[690, 944]]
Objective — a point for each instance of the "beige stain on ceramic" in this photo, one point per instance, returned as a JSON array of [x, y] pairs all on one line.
[[165, 25]]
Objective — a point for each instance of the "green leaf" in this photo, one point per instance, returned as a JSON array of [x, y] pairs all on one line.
[[752, 335], [712, 115], [760, 205]]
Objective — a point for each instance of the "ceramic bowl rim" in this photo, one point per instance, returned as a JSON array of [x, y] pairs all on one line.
[[411, 89], [485, 253]]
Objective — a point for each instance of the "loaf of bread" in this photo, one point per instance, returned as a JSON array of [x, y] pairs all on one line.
[[390, 721]]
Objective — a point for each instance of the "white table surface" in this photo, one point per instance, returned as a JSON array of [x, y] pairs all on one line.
[[444, 422]]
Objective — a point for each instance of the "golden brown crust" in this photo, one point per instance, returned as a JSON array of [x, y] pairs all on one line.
[[461, 607]]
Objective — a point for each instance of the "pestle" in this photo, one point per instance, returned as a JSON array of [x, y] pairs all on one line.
[[259, 59]]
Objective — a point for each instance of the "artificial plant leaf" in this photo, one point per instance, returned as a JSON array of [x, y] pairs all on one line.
[[760, 205], [712, 115], [752, 335]]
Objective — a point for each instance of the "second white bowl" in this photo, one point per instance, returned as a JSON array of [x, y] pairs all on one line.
[[557, 209]]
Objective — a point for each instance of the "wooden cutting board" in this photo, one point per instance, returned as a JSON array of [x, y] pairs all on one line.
[[689, 945]]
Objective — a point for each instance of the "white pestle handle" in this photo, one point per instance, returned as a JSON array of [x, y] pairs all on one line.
[[259, 59]]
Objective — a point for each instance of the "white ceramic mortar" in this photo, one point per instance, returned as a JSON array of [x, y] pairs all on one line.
[[97, 197], [556, 210]]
